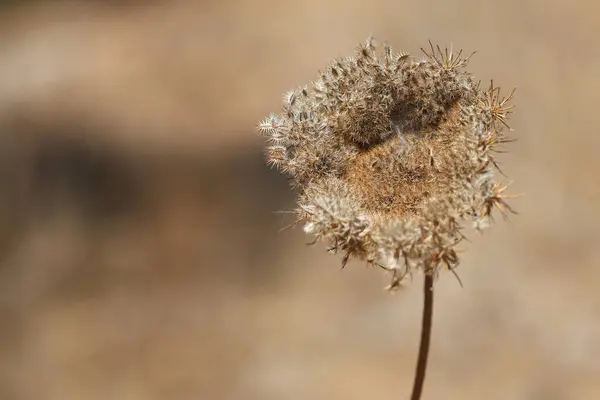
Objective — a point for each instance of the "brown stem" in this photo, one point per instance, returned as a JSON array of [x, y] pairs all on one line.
[[425, 337]]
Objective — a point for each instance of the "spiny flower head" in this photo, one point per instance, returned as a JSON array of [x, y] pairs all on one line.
[[391, 155]]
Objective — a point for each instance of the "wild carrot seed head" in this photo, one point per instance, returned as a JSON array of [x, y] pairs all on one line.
[[391, 155]]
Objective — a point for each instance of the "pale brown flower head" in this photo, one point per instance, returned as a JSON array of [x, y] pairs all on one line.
[[391, 155]]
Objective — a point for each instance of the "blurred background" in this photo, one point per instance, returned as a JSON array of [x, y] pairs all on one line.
[[141, 243]]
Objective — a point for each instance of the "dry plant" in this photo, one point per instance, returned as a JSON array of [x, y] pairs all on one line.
[[391, 155]]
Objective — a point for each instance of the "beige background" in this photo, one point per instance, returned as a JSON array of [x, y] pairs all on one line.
[[141, 252]]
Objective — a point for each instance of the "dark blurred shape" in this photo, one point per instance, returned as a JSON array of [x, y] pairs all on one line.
[[99, 180]]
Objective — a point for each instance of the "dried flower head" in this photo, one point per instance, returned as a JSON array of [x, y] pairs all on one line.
[[391, 156]]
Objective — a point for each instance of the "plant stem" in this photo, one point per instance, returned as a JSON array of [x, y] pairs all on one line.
[[425, 337]]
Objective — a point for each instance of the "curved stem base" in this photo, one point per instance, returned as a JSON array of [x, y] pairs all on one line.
[[425, 337]]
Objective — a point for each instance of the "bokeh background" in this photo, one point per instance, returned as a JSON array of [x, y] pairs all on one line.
[[141, 246]]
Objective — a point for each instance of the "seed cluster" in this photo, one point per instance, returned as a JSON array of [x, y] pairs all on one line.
[[391, 155]]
